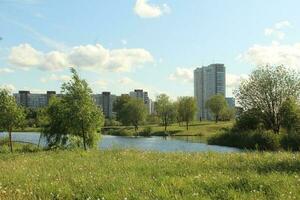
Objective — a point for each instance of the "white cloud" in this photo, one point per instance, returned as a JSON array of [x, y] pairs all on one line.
[[182, 74], [5, 70], [94, 57], [234, 80], [99, 85], [25, 56], [274, 54], [125, 80], [145, 10], [54, 77], [283, 24], [277, 30], [9, 87]]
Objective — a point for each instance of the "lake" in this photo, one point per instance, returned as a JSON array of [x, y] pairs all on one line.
[[168, 144]]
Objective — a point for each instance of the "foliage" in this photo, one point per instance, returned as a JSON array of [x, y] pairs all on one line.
[[290, 114], [291, 141], [250, 139], [227, 114], [33, 117], [148, 175], [266, 89], [131, 111], [74, 114], [11, 115], [216, 104], [55, 127], [165, 109], [111, 122], [84, 117], [119, 105], [147, 131], [186, 108], [248, 120], [152, 119]]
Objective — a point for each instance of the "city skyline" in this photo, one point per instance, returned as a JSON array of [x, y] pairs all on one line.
[[154, 44]]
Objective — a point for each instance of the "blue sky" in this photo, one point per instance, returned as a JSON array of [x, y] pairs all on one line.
[[120, 45]]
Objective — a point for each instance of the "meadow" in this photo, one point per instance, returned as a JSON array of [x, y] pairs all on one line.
[[131, 174], [203, 129]]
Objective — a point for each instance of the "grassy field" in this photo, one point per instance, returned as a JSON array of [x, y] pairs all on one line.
[[132, 174], [204, 129]]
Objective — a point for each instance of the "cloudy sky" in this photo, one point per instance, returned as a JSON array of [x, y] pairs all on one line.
[[120, 45]]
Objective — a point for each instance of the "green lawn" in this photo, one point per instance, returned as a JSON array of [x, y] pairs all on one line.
[[133, 174], [204, 129]]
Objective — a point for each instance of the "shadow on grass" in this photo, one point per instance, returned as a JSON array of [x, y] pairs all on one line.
[[280, 166]]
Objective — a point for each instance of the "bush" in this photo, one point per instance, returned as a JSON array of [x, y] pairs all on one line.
[[120, 132], [251, 139], [147, 131], [249, 120], [291, 142], [111, 122]]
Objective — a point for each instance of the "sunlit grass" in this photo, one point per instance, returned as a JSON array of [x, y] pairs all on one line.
[[133, 174], [203, 129]]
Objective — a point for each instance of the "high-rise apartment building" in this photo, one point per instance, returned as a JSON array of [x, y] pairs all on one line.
[[33, 100], [208, 81], [105, 101], [142, 95]]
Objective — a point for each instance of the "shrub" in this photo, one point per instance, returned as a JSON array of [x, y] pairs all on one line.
[[147, 131], [119, 132], [291, 142], [248, 120], [251, 139], [111, 122]]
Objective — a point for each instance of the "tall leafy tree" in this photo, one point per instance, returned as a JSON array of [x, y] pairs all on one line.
[[11, 115], [165, 109], [266, 89], [55, 127], [216, 104], [84, 118], [186, 109], [134, 113], [119, 105]]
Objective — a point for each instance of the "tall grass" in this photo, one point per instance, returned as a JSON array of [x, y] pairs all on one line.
[[133, 174]]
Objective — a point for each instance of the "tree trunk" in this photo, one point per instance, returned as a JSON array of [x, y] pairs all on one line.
[[136, 129], [217, 119], [39, 140], [187, 125], [10, 141], [83, 136]]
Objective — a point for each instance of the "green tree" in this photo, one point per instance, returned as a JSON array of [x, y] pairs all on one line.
[[54, 123], [11, 115], [84, 118], [266, 89], [133, 113], [165, 109], [290, 114], [186, 109], [227, 114], [216, 104], [119, 105]]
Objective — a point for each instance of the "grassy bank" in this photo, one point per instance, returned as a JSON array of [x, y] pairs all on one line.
[[204, 129], [149, 175]]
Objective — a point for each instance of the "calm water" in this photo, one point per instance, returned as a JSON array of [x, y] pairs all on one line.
[[169, 144]]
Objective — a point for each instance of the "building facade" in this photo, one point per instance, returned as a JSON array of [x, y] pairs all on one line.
[[29, 100], [208, 81], [105, 101], [143, 95]]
